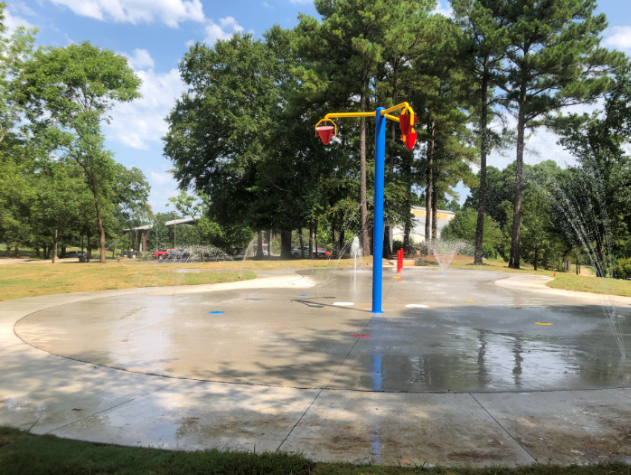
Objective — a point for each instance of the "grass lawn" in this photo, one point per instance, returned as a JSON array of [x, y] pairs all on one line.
[[42, 278], [562, 280], [25, 454], [29, 280]]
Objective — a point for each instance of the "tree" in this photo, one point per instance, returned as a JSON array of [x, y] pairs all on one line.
[[193, 206], [482, 48], [69, 91], [594, 197], [464, 226], [554, 60], [220, 130]]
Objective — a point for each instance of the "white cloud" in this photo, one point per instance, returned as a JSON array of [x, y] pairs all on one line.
[[140, 59], [21, 7], [169, 12], [136, 123], [163, 187], [227, 26], [161, 178], [301, 2], [445, 11], [13, 22], [267, 5], [618, 37]]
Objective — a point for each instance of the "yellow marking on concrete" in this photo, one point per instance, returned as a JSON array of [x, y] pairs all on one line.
[[541, 323], [396, 277], [468, 300]]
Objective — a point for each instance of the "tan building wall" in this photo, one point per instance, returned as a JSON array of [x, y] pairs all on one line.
[[417, 234]]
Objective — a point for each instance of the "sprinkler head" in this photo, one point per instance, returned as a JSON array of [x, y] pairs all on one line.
[[325, 132]]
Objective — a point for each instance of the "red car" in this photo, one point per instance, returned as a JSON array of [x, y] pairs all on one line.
[[162, 254]]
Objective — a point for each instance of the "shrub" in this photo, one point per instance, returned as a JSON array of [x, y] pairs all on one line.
[[622, 270]]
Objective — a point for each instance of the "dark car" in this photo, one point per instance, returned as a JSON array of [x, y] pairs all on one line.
[[75, 254]]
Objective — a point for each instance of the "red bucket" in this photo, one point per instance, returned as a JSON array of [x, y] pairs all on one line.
[[325, 132], [404, 123]]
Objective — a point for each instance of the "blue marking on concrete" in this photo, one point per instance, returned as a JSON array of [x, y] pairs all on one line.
[[216, 312]]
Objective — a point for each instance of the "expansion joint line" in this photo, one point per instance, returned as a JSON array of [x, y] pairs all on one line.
[[296, 425], [112, 407], [320, 392], [504, 429]]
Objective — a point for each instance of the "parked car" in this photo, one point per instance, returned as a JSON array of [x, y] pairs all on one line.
[[75, 254], [162, 254], [321, 252]]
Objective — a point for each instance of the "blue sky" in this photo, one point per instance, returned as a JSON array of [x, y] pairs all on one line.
[[154, 34]]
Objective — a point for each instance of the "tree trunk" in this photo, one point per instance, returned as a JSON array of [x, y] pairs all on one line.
[[88, 256], [479, 228], [259, 245], [430, 184], [37, 251], [99, 221], [434, 213], [63, 251], [285, 243], [45, 252], [302, 244], [362, 174], [54, 253], [311, 241], [519, 166], [315, 237], [536, 257], [407, 226], [341, 246], [17, 251], [269, 243], [335, 250]]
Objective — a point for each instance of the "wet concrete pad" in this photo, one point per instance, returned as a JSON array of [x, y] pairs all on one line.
[[44, 402], [566, 426], [402, 428], [200, 415]]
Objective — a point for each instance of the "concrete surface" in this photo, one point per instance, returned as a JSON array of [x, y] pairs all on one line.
[[472, 379]]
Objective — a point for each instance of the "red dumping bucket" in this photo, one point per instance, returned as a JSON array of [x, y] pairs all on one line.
[[404, 123], [325, 132], [410, 140]]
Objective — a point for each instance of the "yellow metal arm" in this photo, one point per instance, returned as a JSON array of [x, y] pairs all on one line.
[[340, 115]]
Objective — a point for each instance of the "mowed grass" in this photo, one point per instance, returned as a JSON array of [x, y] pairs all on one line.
[[25, 454], [43, 278], [30, 280], [562, 280]]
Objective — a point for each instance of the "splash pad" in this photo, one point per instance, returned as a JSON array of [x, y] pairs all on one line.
[[431, 338]]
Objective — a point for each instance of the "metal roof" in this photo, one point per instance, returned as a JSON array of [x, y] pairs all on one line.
[[145, 227], [180, 221]]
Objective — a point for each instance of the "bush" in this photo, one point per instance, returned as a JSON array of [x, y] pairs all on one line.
[[396, 245], [622, 270], [489, 252]]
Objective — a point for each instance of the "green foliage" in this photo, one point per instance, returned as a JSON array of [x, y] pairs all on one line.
[[622, 269], [463, 227]]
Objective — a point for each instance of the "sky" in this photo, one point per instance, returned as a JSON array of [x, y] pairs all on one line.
[[155, 34]]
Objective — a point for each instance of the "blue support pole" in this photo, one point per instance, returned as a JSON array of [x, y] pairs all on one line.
[[377, 237]]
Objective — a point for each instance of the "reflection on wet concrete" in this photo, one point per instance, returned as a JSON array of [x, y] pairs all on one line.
[[474, 336]]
